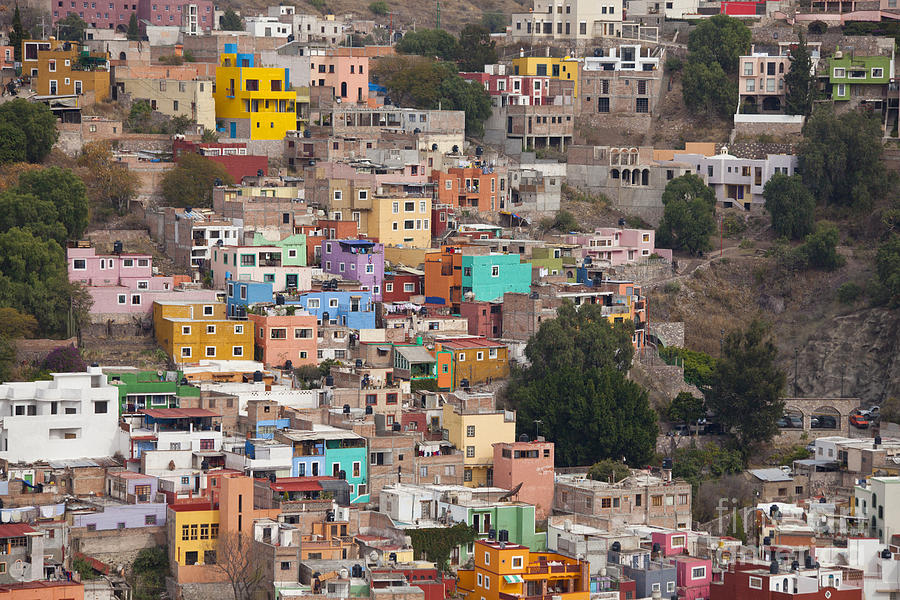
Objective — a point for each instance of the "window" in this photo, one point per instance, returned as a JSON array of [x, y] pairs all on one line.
[[603, 105], [678, 541], [470, 431], [211, 329], [658, 501], [495, 270], [278, 333], [470, 451], [670, 587], [642, 105], [237, 351], [877, 73], [238, 329], [186, 352], [121, 299], [79, 264], [698, 573], [210, 351], [655, 587], [461, 357], [409, 287], [755, 583], [100, 407]]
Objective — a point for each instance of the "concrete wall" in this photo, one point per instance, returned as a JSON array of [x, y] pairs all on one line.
[[116, 547]]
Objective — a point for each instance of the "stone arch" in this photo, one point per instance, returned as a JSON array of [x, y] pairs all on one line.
[[825, 417], [626, 176], [771, 103], [645, 177], [793, 418], [614, 173], [636, 177]]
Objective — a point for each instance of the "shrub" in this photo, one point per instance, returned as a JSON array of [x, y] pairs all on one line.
[[672, 287], [379, 8], [674, 64], [65, 359], [849, 293], [817, 27], [608, 469]]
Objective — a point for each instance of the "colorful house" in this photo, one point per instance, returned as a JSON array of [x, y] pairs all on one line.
[[563, 69], [326, 450], [285, 334], [474, 431], [347, 74], [504, 571], [402, 283], [531, 464], [694, 576], [356, 260], [852, 75], [443, 277], [401, 221], [59, 68], [474, 360], [252, 102], [473, 187], [281, 265], [486, 277], [190, 332], [354, 309], [148, 389]]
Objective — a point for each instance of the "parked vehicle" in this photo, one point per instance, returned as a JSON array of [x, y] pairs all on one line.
[[860, 421], [823, 422]]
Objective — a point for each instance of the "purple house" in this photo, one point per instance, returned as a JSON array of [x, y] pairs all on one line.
[[131, 487], [123, 516], [359, 260]]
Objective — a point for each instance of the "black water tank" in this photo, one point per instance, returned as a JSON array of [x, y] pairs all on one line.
[[492, 534], [479, 150], [272, 477], [356, 571], [795, 565], [417, 131], [217, 182], [464, 383], [822, 500], [767, 540], [342, 474], [503, 535], [279, 299], [773, 568], [622, 222], [368, 410], [886, 553], [667, 463], [877, 440], [288, 365], [455, 149], [329, 516], [434, 147], [524, 438], [392, 557], [118, 247], [346, 408], [387, 100], [359, 362], [395, 427], [773, 510], [598, 51], [307, 133], [257, 376], [616, 547], [656, 547]]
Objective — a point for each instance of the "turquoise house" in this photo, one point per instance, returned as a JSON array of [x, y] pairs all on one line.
[[330, 452], [489, 276]]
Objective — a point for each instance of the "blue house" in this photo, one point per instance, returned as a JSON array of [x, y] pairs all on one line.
[[241, 294], [354, 309]]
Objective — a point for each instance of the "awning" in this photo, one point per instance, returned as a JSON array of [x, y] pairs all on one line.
[[513, 579]]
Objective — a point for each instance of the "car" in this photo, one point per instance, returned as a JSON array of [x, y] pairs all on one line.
[[811, 447], [823, 422], [870, 413], [859, 420]]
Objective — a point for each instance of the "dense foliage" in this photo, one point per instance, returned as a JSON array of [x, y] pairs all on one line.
[[747, 385], [425, 83], [887, 269], [71, 28], [65, 359], [791, 206], [698, 366], [192, 180], [231, 21], [840, 158], [148, 573], [708, 82], [695, 464], [37, 125], [688, 215], [577, 375], [110, 184], [819, 251], [686, 408], [800, 81], [471, 51], [608, 470], [435, 544]]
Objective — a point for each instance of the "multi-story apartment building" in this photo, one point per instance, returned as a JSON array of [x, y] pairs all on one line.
[[73, 414], [194, 18], [857, 77], [282, 264], [473, 431], [474, 360], [636, 500], [623, 80], [873, 500], [191, 332], [568, 20], [252, 102], [486, 277], [356, 260], [170, 90], [761, 76], [188, 237], [401, 221], [285, 334], [60, 68], [617, 246], [276, 208], [270, 27], [506, 88], [531, 464], [347, 74], [468, 188]]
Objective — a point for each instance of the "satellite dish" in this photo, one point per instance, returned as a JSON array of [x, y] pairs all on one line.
[[19, 570], [373, 556]]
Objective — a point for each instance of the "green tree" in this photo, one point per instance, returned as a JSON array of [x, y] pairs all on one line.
[[110, 184], [496, 22], [13, 325], [134, 31], [706, 88], [820, 247], [36, 121], [800, 80], [71, 28], [231, 21], [476, 48], [379, 8], [887, 268], [17, 34], [37, 215], [433, 43], [12, 143], [192, 180], [609, 470], [698, 366], [747, 385], [686, 408], [148, 573], [840, 158], [688, 215], [577, 374], [790, 204], [720, 39], [710, 461], [65, 190]]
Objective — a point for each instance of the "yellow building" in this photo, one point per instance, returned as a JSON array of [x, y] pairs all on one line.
[[193, 534], [195, 331], [60, 68], [505, 570], [252, 102], [563, 69], [473, 432], [401, 221]]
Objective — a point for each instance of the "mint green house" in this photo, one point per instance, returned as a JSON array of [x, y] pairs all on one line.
[[859, 76], [489, 276], [148, 389], [554, 261], [293, 246], [515, 517]]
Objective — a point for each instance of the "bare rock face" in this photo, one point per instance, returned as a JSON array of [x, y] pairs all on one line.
[[860, 350]]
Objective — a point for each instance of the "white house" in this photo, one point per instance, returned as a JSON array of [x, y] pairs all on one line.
[[267, 27], [73, 415]]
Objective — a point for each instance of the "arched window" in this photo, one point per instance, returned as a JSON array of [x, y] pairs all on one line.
[[626, 176], [614, 173], [645, 177], [343, 89]]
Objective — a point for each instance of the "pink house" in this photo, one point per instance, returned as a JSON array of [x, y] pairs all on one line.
[[124, 286], [282, 337], [348, 75], [671, 543], [529, 464], [692, 578], [619, 246], [515, 90]]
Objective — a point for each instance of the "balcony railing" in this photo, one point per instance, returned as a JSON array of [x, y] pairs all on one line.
[[546, 569]]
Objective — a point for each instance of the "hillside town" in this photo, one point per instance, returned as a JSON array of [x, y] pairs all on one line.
[[511, 300]]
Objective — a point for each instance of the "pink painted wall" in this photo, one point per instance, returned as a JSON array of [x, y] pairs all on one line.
[[350, 70], [278, 351], [536, 474], [690, 588]]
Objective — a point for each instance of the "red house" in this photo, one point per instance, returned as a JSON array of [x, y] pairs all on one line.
[[232, 156], [749, 581], [443, 217], [485, 318], [322, 230], [435, 585], [402, 283]]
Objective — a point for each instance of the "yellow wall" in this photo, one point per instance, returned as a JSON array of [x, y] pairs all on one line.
[[490, 428], [193, 520], [568, 69], [270, 113], [170, 321], [384, 219]]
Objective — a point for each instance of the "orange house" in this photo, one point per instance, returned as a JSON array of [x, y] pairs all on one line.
[[328, 541], [282, 338], [510, 571], [42, 590], [443, 276], [322, 230], [467, 188]]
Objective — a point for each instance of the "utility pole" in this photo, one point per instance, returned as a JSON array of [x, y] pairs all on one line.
[[438, 20]]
